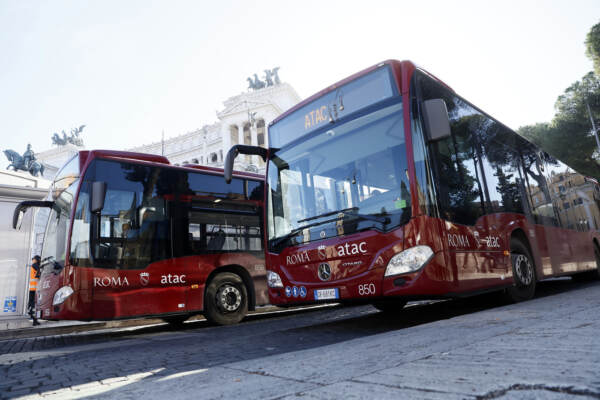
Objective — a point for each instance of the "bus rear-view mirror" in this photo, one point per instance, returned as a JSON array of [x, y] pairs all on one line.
[[19, 220], [98, 195], [23, 206], [437, 122], [241, 149]]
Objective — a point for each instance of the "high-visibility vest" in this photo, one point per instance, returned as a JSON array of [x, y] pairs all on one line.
[[33, 281]]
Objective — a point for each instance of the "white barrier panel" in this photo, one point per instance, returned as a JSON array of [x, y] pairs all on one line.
[[8, 287]]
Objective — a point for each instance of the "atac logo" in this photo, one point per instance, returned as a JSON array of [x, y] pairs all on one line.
[[144, 278], [321, 250]]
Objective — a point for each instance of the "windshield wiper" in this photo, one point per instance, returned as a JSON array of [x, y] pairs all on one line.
[[352, 213], [295, 231], [327, 214], [344, 213]]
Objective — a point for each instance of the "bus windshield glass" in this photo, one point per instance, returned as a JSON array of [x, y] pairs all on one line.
[[154, 213], [351, 176]]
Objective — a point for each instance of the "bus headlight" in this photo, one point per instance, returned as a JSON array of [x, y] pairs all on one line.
[[409, 260], [61, 295], [274, 280]]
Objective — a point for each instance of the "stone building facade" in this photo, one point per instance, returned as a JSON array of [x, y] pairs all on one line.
[[243, 120]]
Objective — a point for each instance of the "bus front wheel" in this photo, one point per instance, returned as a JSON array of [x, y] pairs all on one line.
[[226, 299], [523, 271]]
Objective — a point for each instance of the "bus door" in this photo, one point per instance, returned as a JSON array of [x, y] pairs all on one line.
[[544, 195], [471, 226], [474, 254], [157, 282], [134, 272], [571, 197]]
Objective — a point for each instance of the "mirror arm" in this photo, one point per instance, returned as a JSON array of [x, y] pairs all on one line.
[[24, 205], [241, 149]]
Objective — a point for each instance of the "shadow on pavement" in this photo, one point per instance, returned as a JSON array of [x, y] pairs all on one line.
[[199, 346]]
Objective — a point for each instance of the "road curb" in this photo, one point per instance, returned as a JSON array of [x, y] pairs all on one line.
[[80, 327]]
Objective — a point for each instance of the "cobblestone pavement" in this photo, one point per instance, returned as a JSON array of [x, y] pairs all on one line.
[[546, 348]]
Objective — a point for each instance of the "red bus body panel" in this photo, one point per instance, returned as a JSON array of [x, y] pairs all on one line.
[[467, 259], [168, 286]]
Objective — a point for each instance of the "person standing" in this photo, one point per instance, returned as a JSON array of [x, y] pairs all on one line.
[[34, 277]]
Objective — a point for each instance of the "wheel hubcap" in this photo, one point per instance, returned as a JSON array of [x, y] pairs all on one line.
[[523, 269], [229, 298]]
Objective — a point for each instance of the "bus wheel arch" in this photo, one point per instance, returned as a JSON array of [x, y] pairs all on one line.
[[523, 268], [228, 295]]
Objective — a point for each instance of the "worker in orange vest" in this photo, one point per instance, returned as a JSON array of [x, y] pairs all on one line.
[[34, 277]]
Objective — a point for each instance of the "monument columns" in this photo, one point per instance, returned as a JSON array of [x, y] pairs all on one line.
[[254, 142]]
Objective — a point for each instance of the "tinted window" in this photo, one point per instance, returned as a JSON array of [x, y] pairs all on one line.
[[155, 213], [483, 167], [423, 171], [457, 159], [575, 198]]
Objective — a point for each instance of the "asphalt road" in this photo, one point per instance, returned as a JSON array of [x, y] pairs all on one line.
[[546, 348]]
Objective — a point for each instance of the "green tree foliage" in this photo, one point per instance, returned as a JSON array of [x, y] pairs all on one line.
[[569, 137], [592, 47]]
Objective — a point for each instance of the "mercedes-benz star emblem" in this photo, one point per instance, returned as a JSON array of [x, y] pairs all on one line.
[[324, 272]]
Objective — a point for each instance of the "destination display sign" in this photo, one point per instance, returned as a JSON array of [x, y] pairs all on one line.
[[353, 96]]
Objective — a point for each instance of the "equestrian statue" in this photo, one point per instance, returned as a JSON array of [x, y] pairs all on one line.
[[26, 162]]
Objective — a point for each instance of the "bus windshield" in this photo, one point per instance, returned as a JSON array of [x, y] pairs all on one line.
[[63, 193], [153, 213], [347, 177]]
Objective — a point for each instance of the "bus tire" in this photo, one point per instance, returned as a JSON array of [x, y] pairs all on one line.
[[389, 305], [225, 299], [523, 270]]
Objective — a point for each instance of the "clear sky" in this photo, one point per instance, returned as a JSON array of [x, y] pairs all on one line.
[[131, 69]]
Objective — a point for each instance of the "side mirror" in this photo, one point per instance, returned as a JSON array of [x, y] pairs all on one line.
[[19, 220], [437, 122], [241, 149], [23, 206], [98, 195]]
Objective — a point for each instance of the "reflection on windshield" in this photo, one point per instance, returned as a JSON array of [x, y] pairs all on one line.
[[359, 165]]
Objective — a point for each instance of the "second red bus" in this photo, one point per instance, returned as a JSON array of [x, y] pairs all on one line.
[[388, 186]]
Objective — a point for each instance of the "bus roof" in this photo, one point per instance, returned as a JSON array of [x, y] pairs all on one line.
[[85, 154], [333, 87], [409, 65], [220, 171], [88, 155]]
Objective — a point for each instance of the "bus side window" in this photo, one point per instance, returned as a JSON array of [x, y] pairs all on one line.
[[538, 191], [459, 179]]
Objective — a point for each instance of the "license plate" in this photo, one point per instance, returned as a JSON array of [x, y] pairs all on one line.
[[326, 294]]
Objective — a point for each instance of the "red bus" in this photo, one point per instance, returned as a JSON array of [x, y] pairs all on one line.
[[130, 235], [388, 187]]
